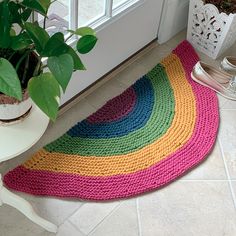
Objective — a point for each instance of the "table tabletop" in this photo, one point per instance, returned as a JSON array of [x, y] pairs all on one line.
[[18, 138]]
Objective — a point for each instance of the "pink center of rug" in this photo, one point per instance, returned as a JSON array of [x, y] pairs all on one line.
[[115, 109]]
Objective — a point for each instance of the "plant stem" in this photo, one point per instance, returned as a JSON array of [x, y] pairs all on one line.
[[69, 37], [44, 22], [12, 55], [21, 30], [37, 68], [44, 66], [26, 69], [21, 59], [53, 1]]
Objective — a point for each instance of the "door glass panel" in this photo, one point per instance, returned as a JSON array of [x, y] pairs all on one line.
[[58, 17], [90, 10], [69, 14]]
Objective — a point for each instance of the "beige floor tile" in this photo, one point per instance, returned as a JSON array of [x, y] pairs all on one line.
[[131, 74], [153, 57], [227, 137], [229, 104], [68, 229], [53, 209], [189, 208], [222, 101], [12, 163], [233, 184], [208, 60], [91, 214], [172, 43], [13, 223], [230, 52], [122, 222], [211, 169], [142, 65], [104, 93]]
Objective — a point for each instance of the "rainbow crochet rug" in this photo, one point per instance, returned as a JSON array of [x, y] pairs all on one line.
[[158, 129]]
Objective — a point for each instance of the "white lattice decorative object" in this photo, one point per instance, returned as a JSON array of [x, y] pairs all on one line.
[[209, 31]]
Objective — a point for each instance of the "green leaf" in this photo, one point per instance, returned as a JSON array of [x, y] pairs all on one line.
[[16, 16], [55, 46], [12, 32], [45, 91], [21, 41], [86, 43], [26, 14], [82, 31], [9, 81], [14, 12], [78, 64], [5, 26], [62, 69], [59, 36], [35, 5], [38, 35], [46, 4]]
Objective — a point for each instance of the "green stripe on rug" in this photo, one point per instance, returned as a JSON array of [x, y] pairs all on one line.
[[159, 122]]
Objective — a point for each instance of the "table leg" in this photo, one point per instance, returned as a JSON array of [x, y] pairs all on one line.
[[9, 198]]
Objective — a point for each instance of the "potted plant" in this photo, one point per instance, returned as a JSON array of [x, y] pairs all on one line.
[[26, 50], [212, 25]]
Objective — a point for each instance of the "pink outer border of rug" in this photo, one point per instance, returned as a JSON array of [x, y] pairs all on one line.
[[146, 180]]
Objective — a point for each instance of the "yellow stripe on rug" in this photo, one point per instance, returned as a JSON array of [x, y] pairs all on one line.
[[176, 137]]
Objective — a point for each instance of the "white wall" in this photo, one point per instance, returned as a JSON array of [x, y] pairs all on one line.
[[174, 19]]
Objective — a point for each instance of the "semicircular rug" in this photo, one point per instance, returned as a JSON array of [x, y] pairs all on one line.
[[161, 127]]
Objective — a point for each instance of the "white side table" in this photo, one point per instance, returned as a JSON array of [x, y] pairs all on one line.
[[14, 140]]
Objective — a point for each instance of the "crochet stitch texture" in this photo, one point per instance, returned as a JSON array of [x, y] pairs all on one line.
[[155, 131]]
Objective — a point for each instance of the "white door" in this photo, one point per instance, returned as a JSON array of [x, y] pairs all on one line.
[[123, 27]]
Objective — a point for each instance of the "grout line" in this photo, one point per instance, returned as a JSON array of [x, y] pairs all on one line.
[[68, 218], [107, 216], [228, 109], [139, 218], [227, 173], [93, 106], [70, 222], [127, 85]]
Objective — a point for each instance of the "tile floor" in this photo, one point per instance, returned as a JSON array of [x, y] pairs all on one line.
[[202, 203]]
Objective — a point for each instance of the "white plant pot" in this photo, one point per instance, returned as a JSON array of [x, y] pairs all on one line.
[[209, 31], [11, 109]]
